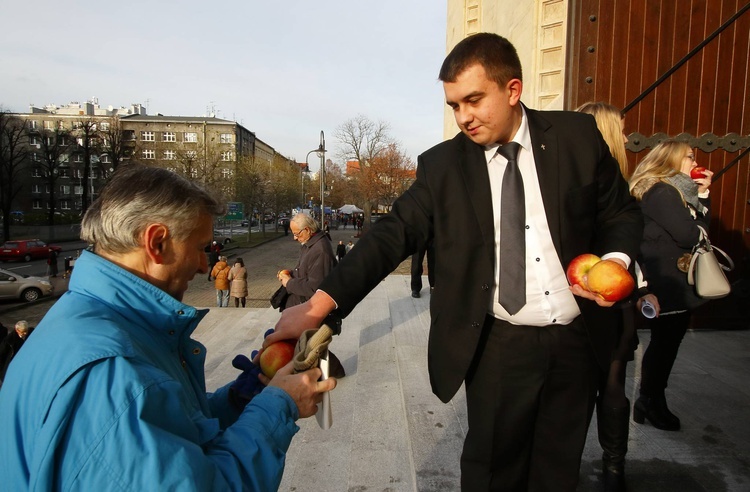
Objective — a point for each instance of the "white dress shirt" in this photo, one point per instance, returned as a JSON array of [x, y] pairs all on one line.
[[548, 297]]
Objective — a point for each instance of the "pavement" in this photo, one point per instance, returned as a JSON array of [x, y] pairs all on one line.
[[390, 433]]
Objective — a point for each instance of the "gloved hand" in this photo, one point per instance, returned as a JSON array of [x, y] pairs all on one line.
[[247, 384]]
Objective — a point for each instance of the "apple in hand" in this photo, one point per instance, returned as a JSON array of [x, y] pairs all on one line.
[[610, 280], [697, 172], [276, 356], [579, 267]]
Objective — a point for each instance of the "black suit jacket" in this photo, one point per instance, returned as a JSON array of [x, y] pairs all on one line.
[[588, 208]]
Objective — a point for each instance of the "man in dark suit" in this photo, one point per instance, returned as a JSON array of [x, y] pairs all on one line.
[[529, 366]]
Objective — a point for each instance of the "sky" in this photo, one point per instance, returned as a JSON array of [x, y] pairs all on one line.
[[283, 69]]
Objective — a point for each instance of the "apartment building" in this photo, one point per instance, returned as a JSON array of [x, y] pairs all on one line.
[[63, 138]]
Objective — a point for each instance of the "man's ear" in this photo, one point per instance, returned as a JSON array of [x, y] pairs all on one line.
[[514, 88], [156, 241]]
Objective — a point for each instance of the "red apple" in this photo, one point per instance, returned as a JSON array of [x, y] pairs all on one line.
[[697, 172], [579, 267], [276, 356], [609, 280]]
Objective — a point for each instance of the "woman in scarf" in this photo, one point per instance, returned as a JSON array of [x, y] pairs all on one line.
[[673, 206]]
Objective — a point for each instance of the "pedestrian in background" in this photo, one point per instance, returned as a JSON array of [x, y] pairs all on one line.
[[220, 274], [673, 206], [11, 344], [52, 262], [238, 279], [340, 251]]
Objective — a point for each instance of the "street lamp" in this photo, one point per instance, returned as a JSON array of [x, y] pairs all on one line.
[[321, 152], [305, 170]]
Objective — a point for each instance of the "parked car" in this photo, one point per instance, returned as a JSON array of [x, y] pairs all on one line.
[[26, 250], [14, 285]]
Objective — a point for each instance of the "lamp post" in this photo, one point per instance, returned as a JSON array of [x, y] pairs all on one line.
[[321, 152], [305, 170]]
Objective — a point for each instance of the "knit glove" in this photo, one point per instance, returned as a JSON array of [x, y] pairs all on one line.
[[247, 384], [311, 346]]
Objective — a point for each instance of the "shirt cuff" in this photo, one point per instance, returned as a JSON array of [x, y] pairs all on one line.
[[704, 194], [619, 256]]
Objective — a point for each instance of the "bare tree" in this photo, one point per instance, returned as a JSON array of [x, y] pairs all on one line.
[[114, 144], [54, 147], [13, 157], [362, 140], [89, 144]]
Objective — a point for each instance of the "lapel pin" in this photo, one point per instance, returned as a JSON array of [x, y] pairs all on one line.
[[544, 147]]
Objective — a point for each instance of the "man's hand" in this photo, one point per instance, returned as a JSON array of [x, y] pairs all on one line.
[[304, 387], [579, 291], [306, 316], [652, 299]]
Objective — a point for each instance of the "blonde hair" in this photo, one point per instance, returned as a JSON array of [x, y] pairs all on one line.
[[608, 120], [663, 161]]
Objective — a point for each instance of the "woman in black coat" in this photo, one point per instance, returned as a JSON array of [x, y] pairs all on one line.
[[673, 206]]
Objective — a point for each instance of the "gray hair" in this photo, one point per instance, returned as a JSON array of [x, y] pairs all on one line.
[[303, 220], [22, 326], [137, 196]]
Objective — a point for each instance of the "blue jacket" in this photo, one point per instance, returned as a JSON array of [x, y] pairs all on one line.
[[110, 394]]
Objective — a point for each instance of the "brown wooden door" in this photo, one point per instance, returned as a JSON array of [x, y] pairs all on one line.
[[618, 48]]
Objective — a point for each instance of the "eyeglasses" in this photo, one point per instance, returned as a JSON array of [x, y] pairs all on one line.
[[295, 235]]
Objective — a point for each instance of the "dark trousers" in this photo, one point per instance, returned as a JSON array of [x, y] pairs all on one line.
[[417, 269], [530, 395], [666, 336]]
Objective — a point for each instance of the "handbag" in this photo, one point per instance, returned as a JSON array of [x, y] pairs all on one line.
[[278, 298], [706, 272]]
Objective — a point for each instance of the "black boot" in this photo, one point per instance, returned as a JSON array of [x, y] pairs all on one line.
[[613, 425], [655, 410]]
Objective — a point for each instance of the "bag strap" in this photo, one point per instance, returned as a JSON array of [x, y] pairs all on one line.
[[691, 269], [730, 265]]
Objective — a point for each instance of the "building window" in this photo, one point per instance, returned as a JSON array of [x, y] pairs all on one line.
[[36, 204], [169, 137], [191, 137], [77, 125], [35, 157], [36, 188], [149, 154], [194, 173], [77, 173], [78, 158], [47, 125], [170, 155], [94, 174], [32, 124], [104, 126], [65, 190], [147, 136], [226, 138], [226, 173], [61, 125], [191, 155], [37, 172], [64, 204], [226, 156], [35, 141], [78, 190], [105, 159]]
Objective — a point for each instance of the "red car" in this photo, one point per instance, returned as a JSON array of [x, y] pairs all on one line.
[[26, 250]]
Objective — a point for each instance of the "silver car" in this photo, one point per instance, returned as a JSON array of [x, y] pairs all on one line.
[[15, 285]]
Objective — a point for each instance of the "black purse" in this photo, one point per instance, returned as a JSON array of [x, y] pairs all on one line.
[[278, 298]]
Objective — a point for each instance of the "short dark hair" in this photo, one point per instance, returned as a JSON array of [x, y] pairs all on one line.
[[494, 53]]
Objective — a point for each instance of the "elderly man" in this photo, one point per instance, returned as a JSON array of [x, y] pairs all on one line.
[[11, 344], [110, 391]]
